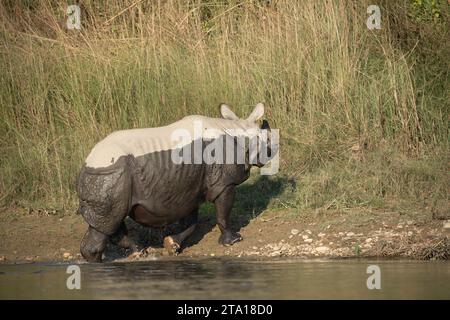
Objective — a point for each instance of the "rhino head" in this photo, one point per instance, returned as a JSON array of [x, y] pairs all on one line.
[[261, 144]]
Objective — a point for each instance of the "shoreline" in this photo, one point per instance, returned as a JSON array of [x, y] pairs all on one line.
[[371, 234]]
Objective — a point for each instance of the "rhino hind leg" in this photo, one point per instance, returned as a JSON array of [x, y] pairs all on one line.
[[122, 239], [104, 201], [93, 244]]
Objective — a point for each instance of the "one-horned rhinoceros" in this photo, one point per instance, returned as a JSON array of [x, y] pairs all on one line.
[[158, 176]]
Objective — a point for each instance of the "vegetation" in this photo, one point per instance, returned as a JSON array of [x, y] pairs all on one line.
[[363, 114]]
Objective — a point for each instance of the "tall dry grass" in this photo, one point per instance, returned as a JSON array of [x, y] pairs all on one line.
[[362, 120]]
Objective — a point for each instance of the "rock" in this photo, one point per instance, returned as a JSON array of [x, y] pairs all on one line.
[[137, 255], [2, 258], [29, 258], [275, 253], [309, 240], [322, 250], [447, 225], [308, 231], [212, 255], [321, 235], [368, 240], [294, 232], [291, 236], [350, 234], [255, 248], [67, 255], [305, 237]]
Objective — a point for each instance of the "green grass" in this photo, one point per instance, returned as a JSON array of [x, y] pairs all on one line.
[[363, 114]]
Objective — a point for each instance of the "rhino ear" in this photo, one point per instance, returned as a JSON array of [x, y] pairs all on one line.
[[226, 112], [257, 113]]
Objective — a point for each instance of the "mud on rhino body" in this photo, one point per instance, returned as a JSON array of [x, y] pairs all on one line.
[[132, 173]]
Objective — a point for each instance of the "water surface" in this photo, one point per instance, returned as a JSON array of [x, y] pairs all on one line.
[[229, 278]]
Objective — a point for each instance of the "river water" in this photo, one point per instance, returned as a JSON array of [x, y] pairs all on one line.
[[229, 278]]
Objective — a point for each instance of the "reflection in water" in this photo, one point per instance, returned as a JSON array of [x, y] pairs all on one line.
[[229, 279]]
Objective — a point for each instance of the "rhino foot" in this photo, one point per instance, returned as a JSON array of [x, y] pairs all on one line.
[[172, 246], [93, 245], [229, 238]]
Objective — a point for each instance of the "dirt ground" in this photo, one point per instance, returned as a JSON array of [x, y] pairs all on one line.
[[46, 236]]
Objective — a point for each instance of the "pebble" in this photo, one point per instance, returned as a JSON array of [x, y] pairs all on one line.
[[308, 240], [212, 255], [305, 237], [2, 258], [294, 232], [350, 234], [308, 231], [290, 236], [67, 255], [255, 248], [322, 249], [447, 225], [321, 235], [368, 240]]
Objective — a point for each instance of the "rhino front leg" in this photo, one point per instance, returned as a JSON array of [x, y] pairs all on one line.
[[224, 204], [173, 243]]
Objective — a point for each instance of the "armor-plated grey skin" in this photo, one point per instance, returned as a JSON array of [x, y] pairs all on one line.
[[143, 182]]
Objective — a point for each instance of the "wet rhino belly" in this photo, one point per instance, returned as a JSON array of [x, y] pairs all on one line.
[[165, 192]]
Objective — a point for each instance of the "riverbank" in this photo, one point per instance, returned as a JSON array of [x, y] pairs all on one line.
[[47, 236]]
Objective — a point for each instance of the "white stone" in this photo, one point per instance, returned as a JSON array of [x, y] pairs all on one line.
[[294, 232], [350, 234], [322, 249], [308, 240], [447, 225]]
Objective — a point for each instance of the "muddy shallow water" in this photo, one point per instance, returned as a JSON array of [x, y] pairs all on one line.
[[229, 278]]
